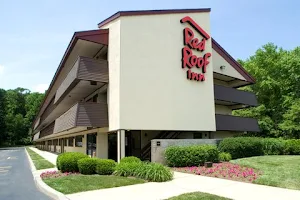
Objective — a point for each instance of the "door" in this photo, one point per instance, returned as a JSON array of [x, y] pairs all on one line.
[[91, 144]]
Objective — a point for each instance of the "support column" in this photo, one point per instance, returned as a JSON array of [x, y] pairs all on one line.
[[121, 144]]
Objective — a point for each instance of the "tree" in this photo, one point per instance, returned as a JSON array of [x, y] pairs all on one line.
[[3, 133], [21, 107], [277, 74]]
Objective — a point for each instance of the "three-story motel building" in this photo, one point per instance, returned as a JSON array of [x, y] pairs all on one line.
[[143, 75]]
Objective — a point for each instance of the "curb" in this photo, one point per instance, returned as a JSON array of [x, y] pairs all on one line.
[[41, 185]]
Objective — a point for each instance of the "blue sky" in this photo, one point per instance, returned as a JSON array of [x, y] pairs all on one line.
[[35, 34]]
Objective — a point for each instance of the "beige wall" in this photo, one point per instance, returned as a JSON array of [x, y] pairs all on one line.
[[113, 94], [219, 82], [229, 70], [149, 66], [102, 145], [222, 134], [223, 110]]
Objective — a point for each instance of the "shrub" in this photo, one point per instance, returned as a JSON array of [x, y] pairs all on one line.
[[105, 166], [130, 159], [153, 172], [127, 168], [57, 161], [223, 156], [273, 146], [184, 156], [87, 165], [68, 161], [292, 147], [241, 147]]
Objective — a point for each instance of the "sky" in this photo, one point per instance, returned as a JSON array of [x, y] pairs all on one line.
[[34, 34]]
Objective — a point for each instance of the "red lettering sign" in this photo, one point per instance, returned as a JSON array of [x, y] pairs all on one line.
[[189, 60]]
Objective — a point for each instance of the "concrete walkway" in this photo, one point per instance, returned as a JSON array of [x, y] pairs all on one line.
[[184, 183]]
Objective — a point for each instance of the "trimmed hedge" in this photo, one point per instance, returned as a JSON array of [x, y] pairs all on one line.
[[242, 147], [149, 171], [68, 161], [292, 147], [105, 166], [187, 156], [223, 156], [130, 159], [273, 146], [87, 165]]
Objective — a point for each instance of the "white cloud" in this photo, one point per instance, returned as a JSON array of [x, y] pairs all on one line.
[[40, 88], [1, 69]]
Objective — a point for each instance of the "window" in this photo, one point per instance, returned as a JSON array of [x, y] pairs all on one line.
[[59, 141], [65, 142], [78, 141], [55, 142], [197, 135], [49, 142], [71, 142]]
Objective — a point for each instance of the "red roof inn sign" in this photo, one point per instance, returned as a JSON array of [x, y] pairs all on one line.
[[192, 43]]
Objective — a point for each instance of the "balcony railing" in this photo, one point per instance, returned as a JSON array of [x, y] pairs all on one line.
[[232, 96], [84, 68], [235, 123], [83, 114]]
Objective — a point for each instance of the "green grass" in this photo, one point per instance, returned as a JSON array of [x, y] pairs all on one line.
[[278, 171], [197, 196], [39, 161], [79, 183]]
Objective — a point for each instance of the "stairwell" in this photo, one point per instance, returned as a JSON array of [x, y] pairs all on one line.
[[146, 150]]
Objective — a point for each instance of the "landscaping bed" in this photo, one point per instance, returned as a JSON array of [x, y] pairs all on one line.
[[38, 161], [197, 196], [79, 173], [224, 170]]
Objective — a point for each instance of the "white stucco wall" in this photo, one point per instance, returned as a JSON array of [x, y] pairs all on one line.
[[152, 92], [229, 70], [113, 94]]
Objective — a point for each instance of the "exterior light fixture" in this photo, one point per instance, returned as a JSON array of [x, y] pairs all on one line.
[[222, 67]]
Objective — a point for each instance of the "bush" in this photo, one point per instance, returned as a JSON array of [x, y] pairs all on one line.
[[292, 147], [273, 146], [68, 161], [186, 156], [105, 166], [241, 147], [223, 156], [87, 165], [153, 172], [127, 168], [58, 161], [130, 159], [148, 171]]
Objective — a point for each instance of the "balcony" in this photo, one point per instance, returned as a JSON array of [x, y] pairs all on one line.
[[83, 76], [234, 98], [235, 123], [83, 114]]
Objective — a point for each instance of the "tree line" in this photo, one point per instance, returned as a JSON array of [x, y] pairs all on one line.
[[18, 109]]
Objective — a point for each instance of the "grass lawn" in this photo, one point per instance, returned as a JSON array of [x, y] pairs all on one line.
[[198, 195], [278, 171], [39, 161], [79, 183]]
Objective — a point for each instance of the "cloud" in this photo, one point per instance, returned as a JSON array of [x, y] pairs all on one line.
[[1, 69], [41, 88]]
